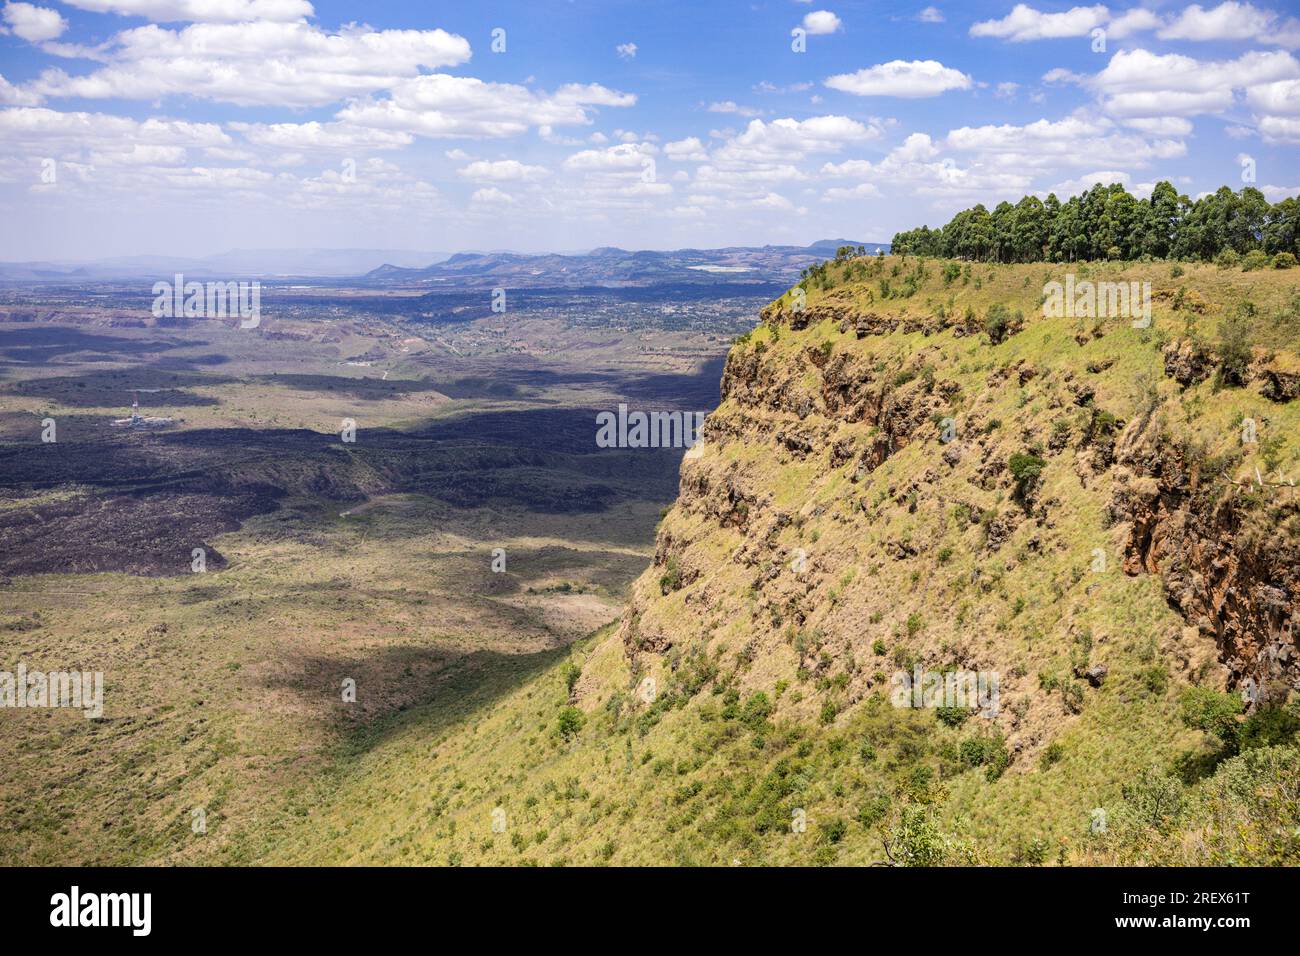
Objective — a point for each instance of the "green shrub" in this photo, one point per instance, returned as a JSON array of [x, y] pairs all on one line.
[[988, 751], [1284, 260], [833, 831], [1227, 258], [952, 716], [570, 722], [1072, 696], [1255, 259], [997, 323], [571, 674], [1214, 713], [1053, 753], [671, 579], [1270, 725], [1026, 468], [756, 711], [874, 808], [1155, 679]]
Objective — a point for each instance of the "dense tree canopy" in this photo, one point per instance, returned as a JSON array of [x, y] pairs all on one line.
[[1107, 222]]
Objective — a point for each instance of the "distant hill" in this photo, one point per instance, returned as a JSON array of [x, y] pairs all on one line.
[[615, 267], [607, 266], [305, 263]]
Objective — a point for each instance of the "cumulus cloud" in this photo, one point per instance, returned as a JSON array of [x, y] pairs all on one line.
[[440, 105], [930, 15], [689, 149], [258, 63], [47, 128], [821, 22], [626, 51], [915, 170], [1081, 184], [1138, 83], [32, 23], [1137, 20], [730, 106], [1025, 23], [503, 171], [492, 195], [908, 79], [218, 11], [11, 95], [1074, 141], [1232, 21], [320, 136], [623, 157], [784, 140]]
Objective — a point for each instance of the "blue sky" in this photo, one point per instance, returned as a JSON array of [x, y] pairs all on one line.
[[193, 126]]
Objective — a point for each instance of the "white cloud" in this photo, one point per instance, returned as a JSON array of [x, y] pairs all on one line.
[[11, 95], [77, 131], [1173, 126], [213, 11], [912, 171], [320, 136], [689, 149], [1276, 193], [901, 78], [1078, 140], [860, 191], [439, 105], [1025, 23], [1280, 129], [258, 63], [1227, 21], [626, 51], [1137, 20], [492, 195], [32, 23], [139, 154], [916, 147], [1230, 20], [930, 15], [1061, 75], [503, 171], [623, 157], [1282, 96], [1138, 83], [821, 22], [730, 106], [787, 140], [1081, 184]]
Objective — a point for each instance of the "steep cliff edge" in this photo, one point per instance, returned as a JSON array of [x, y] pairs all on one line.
[[856, 486], [947, 580]]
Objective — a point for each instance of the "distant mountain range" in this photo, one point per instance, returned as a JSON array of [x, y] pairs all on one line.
[[607, 267], [236, 263], [613, 267]]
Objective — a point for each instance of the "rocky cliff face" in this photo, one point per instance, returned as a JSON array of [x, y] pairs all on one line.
[[892, 483], [1226, 551]]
